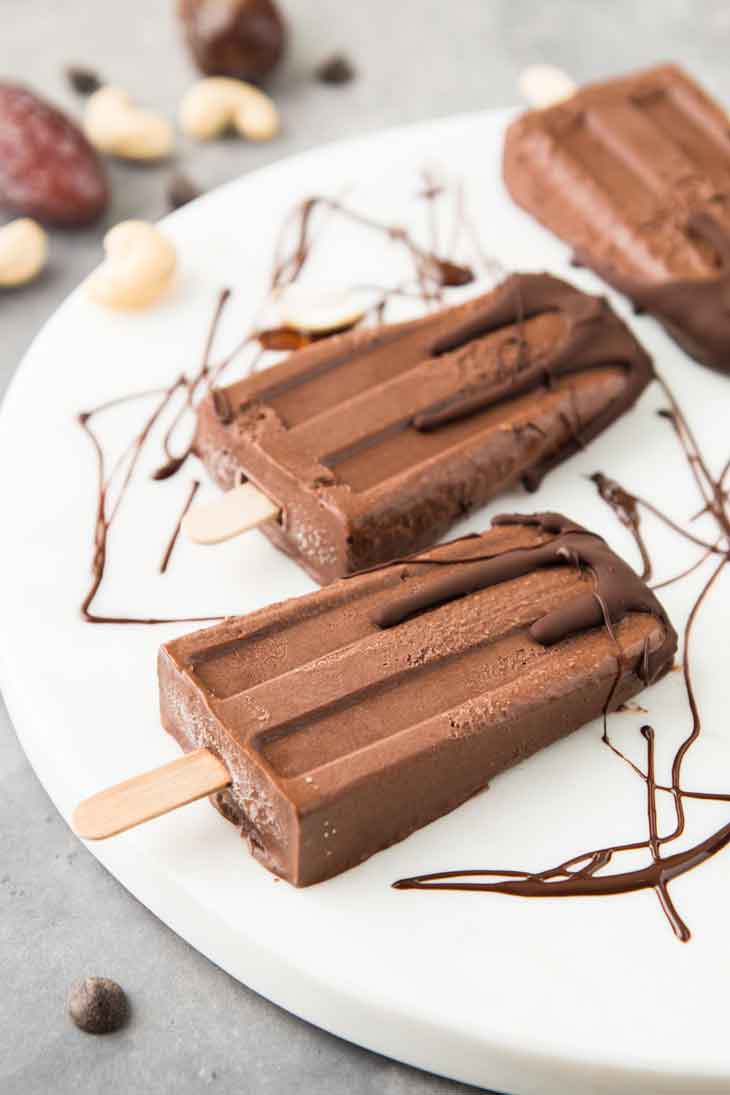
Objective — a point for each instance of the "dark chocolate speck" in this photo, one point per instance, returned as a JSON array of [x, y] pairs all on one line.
[[180, 191], [84, 81], [337, 69]]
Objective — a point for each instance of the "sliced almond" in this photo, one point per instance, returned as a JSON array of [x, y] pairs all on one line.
[[323, 311]]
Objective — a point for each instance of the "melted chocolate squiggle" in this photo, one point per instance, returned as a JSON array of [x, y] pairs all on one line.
[[433, 274], [579, 875], [167, 555], [617, 592], [626, 508]]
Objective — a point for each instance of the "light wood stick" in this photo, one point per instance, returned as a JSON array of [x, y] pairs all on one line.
[[150, 795], [545, 85], [236, 511]]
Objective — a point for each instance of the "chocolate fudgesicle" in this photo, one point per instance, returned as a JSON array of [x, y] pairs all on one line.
[[373, 443], [634, 173], [352, 716]]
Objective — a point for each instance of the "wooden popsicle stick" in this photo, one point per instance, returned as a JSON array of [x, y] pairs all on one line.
[[150, 795], [545, 85], [238, 510]]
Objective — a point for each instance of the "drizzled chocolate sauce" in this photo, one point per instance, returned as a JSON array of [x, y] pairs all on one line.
[[106, 513], [617, 590], [626, 508], [119, 475], [165, 561], [579, 875], [433, 272]]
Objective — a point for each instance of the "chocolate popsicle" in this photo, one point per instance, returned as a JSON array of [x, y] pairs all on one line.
[[350, 717], [634, 174], [373, 443]]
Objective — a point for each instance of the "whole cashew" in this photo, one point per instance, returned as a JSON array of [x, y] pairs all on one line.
[[114, 125], [23, 250], [220, 102], [139, 265]]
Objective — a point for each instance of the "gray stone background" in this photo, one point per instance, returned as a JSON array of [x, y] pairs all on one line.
[[61, 916]]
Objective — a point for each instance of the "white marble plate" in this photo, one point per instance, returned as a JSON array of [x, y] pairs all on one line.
[[564, 996]]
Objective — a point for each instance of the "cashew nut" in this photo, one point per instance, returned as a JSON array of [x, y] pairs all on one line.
[[23, 250], [114, 125], [218, 103], [545, 85], [139, 265]]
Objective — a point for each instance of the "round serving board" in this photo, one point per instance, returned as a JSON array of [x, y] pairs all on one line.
[[549, 996]]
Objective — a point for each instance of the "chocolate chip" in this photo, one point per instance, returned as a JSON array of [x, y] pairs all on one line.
[[337, 69], [98, 1005], [84, 81], [180, 191]]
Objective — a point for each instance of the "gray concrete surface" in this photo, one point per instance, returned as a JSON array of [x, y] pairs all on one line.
[[61, 915]]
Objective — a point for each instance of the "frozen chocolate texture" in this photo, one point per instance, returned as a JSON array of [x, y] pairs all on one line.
[[373, 443], [634, 174], [350, 717]]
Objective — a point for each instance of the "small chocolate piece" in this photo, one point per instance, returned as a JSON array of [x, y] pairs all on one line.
[[453, 273], [83, 80], [240, 38], [98, 1005], [634, 174], [350, 717], [337, 69], [180, 191], [373, 443]]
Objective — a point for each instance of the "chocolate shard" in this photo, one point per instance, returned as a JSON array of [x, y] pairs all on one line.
[[353, 716], [634, 173], [373, 443]]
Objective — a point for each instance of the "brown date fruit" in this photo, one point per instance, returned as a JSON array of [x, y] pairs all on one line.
[[240, 38], [48, 170]]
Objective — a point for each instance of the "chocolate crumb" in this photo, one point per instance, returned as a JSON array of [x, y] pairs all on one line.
[[98, 1005], [283, 338], [180, 191], [452, 273], [337, 69], [84, 81]]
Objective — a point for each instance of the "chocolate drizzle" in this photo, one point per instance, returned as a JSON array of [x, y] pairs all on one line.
[[594, 337], [177, 404], [617, 589], [123, 470], [106, 512], [433, 272], [165, 561], [626, 508], [580, 874]]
